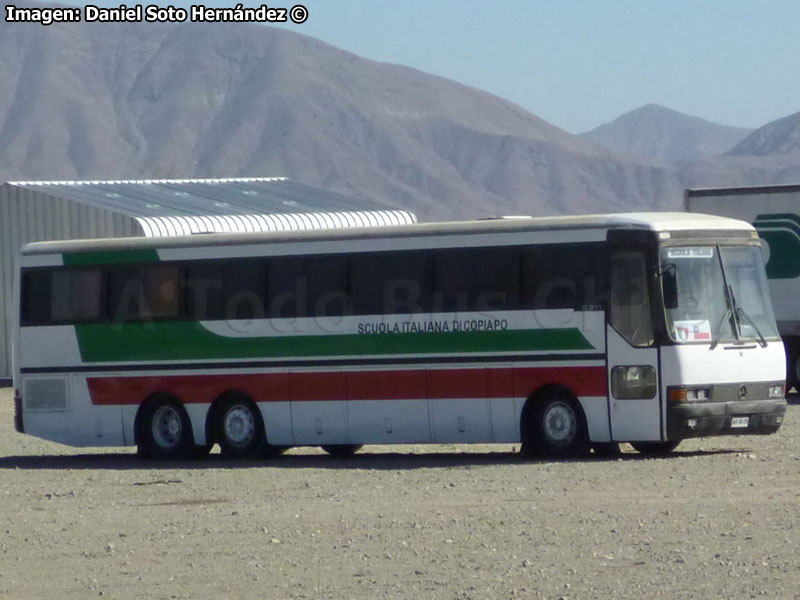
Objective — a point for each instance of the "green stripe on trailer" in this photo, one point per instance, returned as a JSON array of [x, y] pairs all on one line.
[[111, 257], [101, 343], [781, 231]]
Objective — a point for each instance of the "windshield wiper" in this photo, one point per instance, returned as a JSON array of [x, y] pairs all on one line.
[[729, 302], [718, 330], [743, 316], [729, 315]]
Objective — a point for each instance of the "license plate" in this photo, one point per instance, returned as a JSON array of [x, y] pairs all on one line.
[[740, 421]]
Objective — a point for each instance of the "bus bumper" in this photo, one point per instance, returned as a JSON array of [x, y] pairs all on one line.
[[18, 412], [699, 419]]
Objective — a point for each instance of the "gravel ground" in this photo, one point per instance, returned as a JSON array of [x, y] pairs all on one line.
[[718, 518]]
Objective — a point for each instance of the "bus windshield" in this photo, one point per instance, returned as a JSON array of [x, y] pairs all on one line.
[[721, 295]]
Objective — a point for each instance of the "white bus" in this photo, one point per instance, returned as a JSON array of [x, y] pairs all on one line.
[[562, 334]]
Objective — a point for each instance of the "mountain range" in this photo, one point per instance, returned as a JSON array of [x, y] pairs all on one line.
[[129, 100]]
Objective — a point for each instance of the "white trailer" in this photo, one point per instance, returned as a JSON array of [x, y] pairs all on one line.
[[775, 213]]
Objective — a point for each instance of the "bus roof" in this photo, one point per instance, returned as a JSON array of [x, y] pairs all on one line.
[[656, 222]]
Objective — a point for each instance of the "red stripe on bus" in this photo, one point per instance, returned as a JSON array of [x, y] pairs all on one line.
[[352, 385]]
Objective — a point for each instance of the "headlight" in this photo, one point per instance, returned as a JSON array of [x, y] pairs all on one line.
[[633, 382], [698, 394]]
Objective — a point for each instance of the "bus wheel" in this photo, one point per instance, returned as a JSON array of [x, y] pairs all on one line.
[[342, 450], [559, 427], [240, 430], [655, 448], [165, 431]]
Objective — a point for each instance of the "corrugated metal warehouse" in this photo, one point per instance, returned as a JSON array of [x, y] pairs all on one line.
[[59, 210]]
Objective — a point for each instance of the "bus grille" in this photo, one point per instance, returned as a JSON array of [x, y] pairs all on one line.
[[730, 392]]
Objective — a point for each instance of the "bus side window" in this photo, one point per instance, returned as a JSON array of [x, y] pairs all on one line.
[[495, 284], [481, 279], [37, 296], [559, 276], [300, 287], [390, 283], [629, 310], [244, 289], [77, 295], [204, 300], [145, 293], [327, 286], [452, 274], [162, 290]]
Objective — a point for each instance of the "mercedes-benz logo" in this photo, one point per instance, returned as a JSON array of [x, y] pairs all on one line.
[[742, 392]]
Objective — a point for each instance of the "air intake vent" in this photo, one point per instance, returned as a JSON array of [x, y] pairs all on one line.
[[46, 394]]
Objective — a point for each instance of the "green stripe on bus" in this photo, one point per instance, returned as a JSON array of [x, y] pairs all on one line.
[[111, 257], [186, 341]]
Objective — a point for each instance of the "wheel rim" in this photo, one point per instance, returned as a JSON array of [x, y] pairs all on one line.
[[239, 425], [167, 427], [560, 423]]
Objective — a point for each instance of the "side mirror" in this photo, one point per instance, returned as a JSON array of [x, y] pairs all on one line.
[[669, 285]]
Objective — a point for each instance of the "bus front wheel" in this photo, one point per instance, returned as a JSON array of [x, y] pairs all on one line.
[[165, 432], [558, 426]]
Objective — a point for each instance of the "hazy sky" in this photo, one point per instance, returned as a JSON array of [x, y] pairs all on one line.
[[580, 63]]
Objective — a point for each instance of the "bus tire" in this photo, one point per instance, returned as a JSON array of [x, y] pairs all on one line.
[[165, 431], [559, 426], [655, 448], [342, 450], [239, 428]]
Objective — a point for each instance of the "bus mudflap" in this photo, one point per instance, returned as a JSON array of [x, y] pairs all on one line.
[[18, 412]]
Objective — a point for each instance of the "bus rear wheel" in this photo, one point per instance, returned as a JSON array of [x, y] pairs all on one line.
[[165, 432], [559, 427], [240, 429]]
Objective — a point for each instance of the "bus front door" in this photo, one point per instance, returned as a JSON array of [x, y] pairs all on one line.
[[633, 396]]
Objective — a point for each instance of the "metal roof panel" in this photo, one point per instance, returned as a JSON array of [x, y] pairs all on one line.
[[172, 207], [192, 197]]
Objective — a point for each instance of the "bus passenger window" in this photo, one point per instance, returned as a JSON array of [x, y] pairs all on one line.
[[326, 277], [630, 300], [145, 293], [452, 274], [161, 290], [244, 289], [390, 283], [77, 295], [37, 296], [559, 276], [495, 279], [299, 287]]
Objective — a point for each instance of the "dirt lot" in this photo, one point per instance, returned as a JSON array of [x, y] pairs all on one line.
[[719, 518]]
